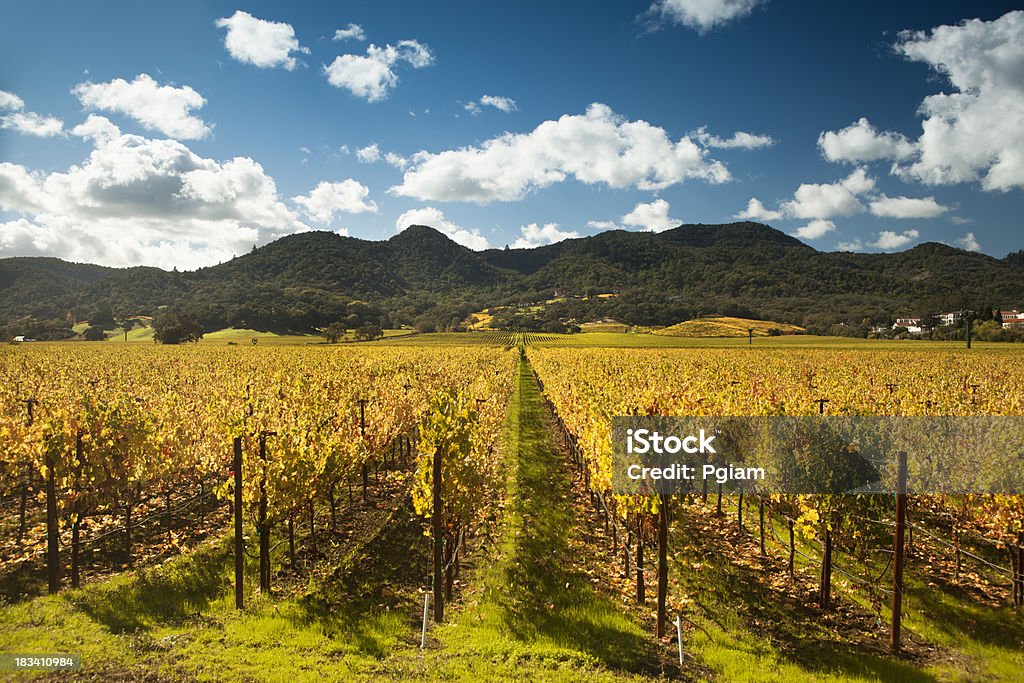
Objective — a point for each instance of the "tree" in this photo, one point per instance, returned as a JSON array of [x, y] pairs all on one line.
[[94, 333], [334, 332], [368, 332], [102, 317], [174, 328], [128, 324]]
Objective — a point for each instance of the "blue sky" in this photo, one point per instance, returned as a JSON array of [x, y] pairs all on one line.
[[182, 134]]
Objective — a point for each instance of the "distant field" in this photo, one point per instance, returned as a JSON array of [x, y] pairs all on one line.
[[236, 335], [619, 340], [618, 328], [725, 327]]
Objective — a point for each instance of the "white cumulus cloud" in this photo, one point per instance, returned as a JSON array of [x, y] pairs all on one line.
[[352, 32], [434, 218], [598, 147], [906, 207], [21, 190], [136, 201], [27, 122], [260, 42], [861, 142], [97, 128], [372, 153], [971, 133], [814, 230], [397, 160], [703, 15], [967, 134], [534, 235], [10, 101], [31, 123], [889, 240], [969, 242], [372, 76], [505, 104], [652, 216], [327, 199], [162, 108], [368, 154], [739, 140], [813, 200], [756, 211]]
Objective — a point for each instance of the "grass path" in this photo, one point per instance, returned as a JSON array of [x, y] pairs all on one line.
[[534, 613]]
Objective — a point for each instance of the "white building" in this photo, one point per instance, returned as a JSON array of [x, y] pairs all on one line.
[[1012, 318], [913, 325], [952, 318]]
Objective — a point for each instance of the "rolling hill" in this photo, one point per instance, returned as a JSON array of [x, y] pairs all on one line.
[[420, 276]]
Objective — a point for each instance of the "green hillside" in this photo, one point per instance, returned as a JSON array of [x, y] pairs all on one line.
[[421, 278]]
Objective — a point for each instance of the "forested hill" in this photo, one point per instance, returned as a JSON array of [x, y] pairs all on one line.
[[422, 277]]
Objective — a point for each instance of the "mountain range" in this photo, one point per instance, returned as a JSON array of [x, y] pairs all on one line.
[[421, 277]]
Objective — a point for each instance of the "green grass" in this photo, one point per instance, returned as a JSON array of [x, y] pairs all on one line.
[[535, 617], [750, 630], [136, 334], [178, 620]]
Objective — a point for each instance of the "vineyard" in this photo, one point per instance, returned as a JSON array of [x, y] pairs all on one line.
[[97, 442], [588, 389], [296, 502]]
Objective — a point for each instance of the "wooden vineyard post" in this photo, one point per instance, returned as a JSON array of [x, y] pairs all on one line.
[[167, 514], [704, 488], [312, 530], [239, 545], [291, 540], [1020, 569], [897, 571], [22, 507], [26, 482], [438, 540], [792, 549], [641, 591], [52, 530], [825, 598], [264, 526], [76, 512], [362, 435], [128, 530], [739, 510], [334, 506], [662, 565], [625, 552], [760, 509]]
